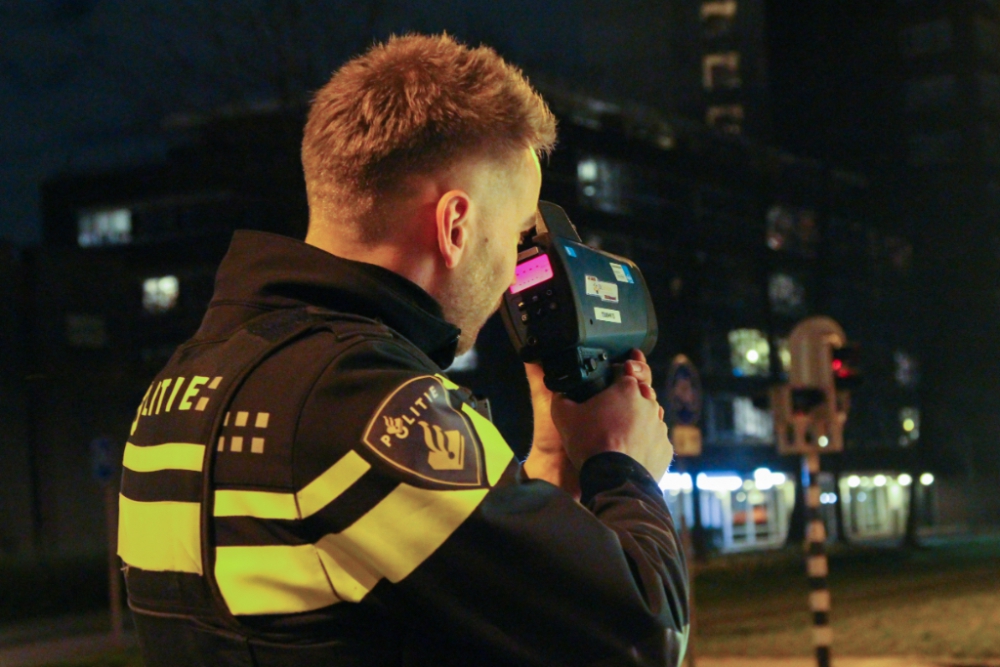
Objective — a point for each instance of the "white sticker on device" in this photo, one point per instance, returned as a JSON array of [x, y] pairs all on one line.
[[604, 291], [608, 315]]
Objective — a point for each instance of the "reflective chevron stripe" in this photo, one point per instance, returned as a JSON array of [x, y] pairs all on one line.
[[160, 536], [170, 456]]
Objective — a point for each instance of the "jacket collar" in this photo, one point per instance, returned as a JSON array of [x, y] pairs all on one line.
[[272, 271]]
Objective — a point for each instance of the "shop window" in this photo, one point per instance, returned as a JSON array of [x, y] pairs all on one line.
[[726, 118], [926, 38], [105, 227], [930, 91], [934, 149], [718, 18], [875, 504], [721, 71], [602, 184], [792, 229], [786, 294], [749, 353], [160, 294]]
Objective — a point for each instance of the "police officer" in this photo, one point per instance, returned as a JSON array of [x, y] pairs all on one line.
[[303, 486]]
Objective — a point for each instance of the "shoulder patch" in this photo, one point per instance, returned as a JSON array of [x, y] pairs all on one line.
[[417, 430]]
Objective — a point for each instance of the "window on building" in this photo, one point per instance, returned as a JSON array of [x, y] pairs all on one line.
[[750, 422], [104, 227], [787, 295], [925, 38], [160, 294], [934, 149], [930, 91], [726, 118], [718, 18], [602, 184], [792, 229], [749, 353], [86, 331], [909, 421], [721, 71], [989, 90], [987, 38], [906, 369]]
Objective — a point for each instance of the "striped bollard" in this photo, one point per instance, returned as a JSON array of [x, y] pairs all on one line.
[[817, 566]]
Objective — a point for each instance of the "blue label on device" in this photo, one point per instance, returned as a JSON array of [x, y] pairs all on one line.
[[570, 251]]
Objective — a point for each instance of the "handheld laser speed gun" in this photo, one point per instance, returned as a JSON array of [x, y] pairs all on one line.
[[574, 309]]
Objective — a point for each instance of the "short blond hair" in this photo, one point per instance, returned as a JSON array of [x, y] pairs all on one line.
[[413, 105]]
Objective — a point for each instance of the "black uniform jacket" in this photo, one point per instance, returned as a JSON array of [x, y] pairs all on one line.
[[303, 486]]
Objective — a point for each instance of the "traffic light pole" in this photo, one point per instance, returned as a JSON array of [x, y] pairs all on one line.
[[817, 566]]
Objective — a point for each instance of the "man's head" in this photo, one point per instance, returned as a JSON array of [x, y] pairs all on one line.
[[421, 156]]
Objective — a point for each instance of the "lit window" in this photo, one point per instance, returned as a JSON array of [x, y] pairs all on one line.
[[925, 38], [787, 295], [930, 91], [160, 294], [602, 183], [721, 70], [906, 369], [725, 118], [750, 422], [909, 420], [930, 149], [87, 331], [717, 18], [785, 354], [108, 227], [749, 353]]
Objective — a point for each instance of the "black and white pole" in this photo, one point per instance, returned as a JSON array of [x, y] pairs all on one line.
[[817, 566]]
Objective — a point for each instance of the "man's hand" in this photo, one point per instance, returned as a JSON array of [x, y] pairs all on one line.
[[547, 459], [624, 418]]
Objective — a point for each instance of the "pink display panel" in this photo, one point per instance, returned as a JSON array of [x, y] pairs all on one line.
[[536, 270]]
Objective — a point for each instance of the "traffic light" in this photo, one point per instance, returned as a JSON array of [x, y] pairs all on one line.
[[846, 366]]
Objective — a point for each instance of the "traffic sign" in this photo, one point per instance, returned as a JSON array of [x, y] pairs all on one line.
[[684, 400]]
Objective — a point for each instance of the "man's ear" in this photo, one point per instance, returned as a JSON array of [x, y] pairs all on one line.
[[453, 226]]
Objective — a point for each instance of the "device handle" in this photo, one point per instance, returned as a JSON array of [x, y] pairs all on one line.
[[554, 221]]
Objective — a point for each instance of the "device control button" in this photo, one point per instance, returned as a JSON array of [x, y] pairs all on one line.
[[524, 317], [553, 305], [540, 312], [532, 341], [548, 292], [591, 364], [534, 298], [521, 305]]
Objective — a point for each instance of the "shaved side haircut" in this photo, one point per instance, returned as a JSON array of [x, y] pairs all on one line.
[[413, 105]]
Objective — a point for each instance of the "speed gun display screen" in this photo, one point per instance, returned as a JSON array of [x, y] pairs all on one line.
[[533, 272]]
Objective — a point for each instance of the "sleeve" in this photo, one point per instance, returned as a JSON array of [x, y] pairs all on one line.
[[489, 567]]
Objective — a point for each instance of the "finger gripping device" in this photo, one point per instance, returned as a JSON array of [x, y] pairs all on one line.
[[574, 309]]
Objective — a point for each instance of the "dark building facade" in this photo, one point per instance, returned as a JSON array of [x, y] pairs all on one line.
[[737, 240]]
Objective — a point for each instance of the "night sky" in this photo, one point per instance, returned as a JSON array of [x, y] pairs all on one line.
[[87, 85]]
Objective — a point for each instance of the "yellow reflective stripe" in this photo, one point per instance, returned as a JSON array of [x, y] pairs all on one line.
[[498, 453], [160, 536], [351, 578], [448, 384], [272, 580], [405, 528], [327, 487], [259, 504], [170, 456], [315, 496]]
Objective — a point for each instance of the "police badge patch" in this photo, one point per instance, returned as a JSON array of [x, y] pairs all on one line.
[[417, 430]]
